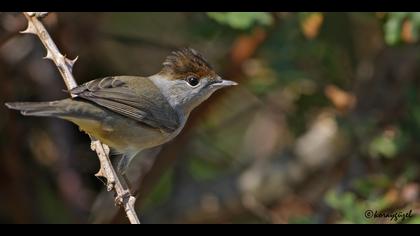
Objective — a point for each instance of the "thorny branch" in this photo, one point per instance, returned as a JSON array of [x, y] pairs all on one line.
[[65, 67]]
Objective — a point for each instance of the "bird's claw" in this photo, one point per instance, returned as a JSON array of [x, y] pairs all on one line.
[[120, 199]]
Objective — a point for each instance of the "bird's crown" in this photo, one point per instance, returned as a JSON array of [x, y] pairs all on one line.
[[186, 62]]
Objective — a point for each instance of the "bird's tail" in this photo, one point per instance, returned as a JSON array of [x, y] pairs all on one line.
[[53, 108]]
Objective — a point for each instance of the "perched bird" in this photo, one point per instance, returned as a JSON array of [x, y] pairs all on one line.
[[132, 113]]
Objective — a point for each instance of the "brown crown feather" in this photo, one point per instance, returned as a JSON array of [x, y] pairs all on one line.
[[186, 62]]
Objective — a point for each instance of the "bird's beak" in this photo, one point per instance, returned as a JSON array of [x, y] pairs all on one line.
[[220, 83]]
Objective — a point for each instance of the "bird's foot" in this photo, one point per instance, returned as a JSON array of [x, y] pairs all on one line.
[[120, 199]]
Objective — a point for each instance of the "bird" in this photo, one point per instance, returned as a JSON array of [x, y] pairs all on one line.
[[135, 113]]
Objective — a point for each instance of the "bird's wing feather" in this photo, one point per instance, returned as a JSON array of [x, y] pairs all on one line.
[[114, 94]]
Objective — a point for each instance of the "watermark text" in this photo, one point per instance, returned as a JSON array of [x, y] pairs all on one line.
[[393, 216]]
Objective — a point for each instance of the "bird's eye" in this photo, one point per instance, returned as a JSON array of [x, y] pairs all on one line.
[[192, 81]]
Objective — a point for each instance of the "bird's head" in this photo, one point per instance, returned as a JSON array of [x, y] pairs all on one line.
[[187, 79]]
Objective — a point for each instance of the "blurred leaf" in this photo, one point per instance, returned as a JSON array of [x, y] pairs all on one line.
[[414, 220], [388, 144], [415, 20], [392, 30], [241, 20], [383, 146], [341, 99], [311, 23], [351, 210], [301, 220], [402, 26], [408, 32], [368, 186]]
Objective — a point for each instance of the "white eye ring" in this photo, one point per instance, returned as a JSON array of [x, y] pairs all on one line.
[[193, 81]]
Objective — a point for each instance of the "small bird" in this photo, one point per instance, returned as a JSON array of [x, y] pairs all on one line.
[[133, 113]]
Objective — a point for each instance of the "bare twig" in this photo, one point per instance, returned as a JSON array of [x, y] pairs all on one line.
[[65, 66]]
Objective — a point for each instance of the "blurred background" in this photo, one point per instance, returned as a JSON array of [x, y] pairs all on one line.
[[324, 125]]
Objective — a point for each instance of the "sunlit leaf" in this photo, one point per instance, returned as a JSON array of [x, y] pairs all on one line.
[[388, 144], [383, 146], [241, 20], [392, 30], [402, 26], [311, 23]]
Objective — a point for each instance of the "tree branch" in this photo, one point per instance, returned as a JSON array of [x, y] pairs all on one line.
[[65, 67]]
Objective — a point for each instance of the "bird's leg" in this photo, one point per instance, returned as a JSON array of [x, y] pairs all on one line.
[[119, 199], [127, 189], [127, 181], [123, 166], [127, 193]]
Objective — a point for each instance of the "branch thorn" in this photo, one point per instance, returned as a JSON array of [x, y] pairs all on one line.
[[48, 56], [70, 63], [30, 29]]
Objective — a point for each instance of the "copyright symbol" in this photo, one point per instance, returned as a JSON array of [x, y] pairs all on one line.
[[368, 214]]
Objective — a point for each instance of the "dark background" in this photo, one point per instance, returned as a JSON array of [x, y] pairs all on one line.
[[323, 126]]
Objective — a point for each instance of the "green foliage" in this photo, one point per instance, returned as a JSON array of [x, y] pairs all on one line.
[[350, 208], [392, 27], [301, 220], [367, 194], [305, 15], [371, 185], [383, 146], [394, 23], [387, 145], [241, 20], [414, 220]]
